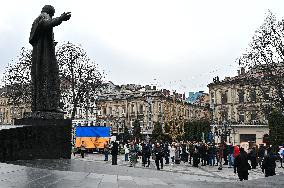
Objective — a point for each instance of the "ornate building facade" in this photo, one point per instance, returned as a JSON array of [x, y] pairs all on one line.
[[123, 105], [241, 107], [119, 106], [8, 111]]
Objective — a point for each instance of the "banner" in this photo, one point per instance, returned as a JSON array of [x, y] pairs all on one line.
[[93, 136]]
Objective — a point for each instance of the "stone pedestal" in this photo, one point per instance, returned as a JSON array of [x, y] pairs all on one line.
[[44, 115], [38, 139]]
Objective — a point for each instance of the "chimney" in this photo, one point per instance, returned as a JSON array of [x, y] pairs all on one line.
[[238, 72], [227, 78]]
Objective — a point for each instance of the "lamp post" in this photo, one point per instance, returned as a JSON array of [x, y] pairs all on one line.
[[234, 132], [225, 131], [229, 133]]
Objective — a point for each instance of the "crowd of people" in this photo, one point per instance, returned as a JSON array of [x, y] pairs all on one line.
[[197, 153]]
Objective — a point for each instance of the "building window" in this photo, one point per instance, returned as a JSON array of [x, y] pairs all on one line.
[[141, 109], [242, 116], [265, 115], [253, 115], [104, 111], [247, 137], [224, 98], [241, 96], [224, 115], [132, 108], [253, 96], [109, 110], [266, 93], [212, 98]]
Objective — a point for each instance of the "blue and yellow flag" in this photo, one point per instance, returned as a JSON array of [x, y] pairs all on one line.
[[93, 136]]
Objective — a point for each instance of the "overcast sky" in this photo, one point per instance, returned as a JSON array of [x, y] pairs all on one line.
[[178, 45]]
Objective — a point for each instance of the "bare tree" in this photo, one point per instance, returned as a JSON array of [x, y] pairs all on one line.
[[17, 79], [81, 79], [264, 62]]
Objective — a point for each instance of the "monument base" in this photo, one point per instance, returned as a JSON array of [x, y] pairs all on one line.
[[44, 115], [37, 139]]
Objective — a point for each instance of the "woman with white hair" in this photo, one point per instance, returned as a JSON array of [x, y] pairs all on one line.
[[172, 152]]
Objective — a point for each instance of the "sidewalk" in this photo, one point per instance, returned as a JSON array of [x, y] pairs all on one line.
[[201, 173], [93, 172]]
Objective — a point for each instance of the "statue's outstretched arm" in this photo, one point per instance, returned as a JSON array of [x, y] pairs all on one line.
[[47, 23]]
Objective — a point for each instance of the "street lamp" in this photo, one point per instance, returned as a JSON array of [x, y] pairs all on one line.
[[229, 133], [225, 131], [234, 132]]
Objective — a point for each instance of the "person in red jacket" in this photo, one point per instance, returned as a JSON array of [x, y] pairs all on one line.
[[236, 151]]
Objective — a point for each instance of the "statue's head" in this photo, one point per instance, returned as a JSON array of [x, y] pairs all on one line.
[[49, 10]]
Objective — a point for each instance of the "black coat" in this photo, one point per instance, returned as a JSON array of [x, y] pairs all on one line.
[[269, 162], [114, 149], [241, 162], [261, 152], [252, 154], [146, 151], [158, 151]]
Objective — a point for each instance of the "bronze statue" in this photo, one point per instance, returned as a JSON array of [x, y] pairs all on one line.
[[44, 71]]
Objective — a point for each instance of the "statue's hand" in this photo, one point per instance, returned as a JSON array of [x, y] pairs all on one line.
[[65, 16]]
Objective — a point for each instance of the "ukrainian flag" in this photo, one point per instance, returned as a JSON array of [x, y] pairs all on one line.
[[93, 136]]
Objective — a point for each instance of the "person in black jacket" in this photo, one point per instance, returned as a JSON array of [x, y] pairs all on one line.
[[225, 154], [83, 149], [212, 154], [146, 154], [252, 156], [241, 165], [196, 157], [158, 152], [269, 164], [114, 153], [261, 153], [203, 153], [190, 150], [184, 154], [167, 153]]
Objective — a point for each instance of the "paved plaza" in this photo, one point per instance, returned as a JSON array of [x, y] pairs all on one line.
[[92, 171]]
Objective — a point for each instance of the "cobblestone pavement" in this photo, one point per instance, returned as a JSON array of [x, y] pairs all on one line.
[[92, 171], [202, 172]]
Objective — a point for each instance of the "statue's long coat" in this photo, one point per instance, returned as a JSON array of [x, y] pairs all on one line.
[[44, 70]]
